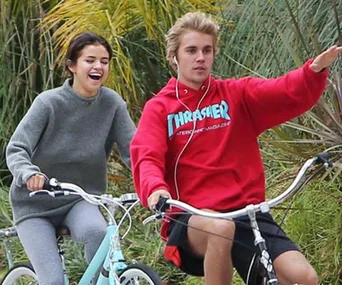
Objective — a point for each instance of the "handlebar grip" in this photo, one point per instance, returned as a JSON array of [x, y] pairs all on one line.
[[161, 206], [60, 193], [46, 184], [323, 158], [52, 184]]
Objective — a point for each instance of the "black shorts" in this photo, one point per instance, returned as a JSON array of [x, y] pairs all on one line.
[[243, 251]]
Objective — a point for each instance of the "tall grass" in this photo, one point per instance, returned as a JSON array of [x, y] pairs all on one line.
[[26, 68], [26, 65], [312, 218]]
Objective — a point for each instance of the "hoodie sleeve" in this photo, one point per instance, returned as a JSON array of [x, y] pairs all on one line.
[[148, 149], [271, 102], [24, 141]]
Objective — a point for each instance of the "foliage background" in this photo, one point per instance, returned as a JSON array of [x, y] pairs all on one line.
[[258, 37]]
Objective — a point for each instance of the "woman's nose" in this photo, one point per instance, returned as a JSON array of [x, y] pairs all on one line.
[[97, 64]]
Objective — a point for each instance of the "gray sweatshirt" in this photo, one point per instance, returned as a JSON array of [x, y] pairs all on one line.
[[69, 137]]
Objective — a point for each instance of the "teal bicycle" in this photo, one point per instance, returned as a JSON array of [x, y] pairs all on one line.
[[108, 260]]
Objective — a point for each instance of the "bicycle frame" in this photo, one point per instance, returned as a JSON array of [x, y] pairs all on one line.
[[7, 234], [260, 243], [8, 253], [109, 255], [108, 259]]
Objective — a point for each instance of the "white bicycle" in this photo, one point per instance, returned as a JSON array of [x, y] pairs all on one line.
[[261, 270]]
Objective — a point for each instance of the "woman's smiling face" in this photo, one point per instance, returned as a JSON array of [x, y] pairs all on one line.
[[91, 70]]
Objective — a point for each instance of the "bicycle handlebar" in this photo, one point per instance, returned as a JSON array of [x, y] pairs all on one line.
[[165, 203], [54, 188], [107, 201]]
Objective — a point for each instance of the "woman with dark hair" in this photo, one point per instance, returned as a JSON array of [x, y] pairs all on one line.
[[67, 133]]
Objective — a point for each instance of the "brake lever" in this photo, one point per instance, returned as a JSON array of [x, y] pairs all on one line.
[[41, 192], [50, 193], [157, 216]]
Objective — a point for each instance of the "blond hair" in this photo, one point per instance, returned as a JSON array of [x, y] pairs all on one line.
[[194, 21]]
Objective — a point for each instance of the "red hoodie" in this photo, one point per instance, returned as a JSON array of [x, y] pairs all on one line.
[[221, 168]]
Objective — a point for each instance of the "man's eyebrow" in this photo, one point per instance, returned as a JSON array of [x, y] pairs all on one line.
[[207, 46]]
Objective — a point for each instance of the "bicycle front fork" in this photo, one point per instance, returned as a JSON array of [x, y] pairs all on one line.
[[259, 241]]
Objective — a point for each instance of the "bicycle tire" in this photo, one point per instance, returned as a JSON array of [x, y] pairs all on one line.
[[138, 273], [257, 272], [20, 274]]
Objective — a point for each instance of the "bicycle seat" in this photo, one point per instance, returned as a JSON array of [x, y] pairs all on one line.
[[62, 231]]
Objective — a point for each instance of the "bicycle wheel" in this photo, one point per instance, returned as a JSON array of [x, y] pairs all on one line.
[[20, 274], [139, 274]]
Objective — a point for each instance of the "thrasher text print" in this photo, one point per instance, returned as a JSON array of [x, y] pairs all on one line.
[[215, 111]]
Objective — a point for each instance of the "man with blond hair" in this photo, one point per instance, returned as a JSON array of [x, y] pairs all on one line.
[[197, 142]]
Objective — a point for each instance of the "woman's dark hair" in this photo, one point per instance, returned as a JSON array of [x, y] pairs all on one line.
[[81, 40]]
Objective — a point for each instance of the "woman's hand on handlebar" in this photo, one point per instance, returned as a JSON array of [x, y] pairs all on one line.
[[36, 182], [154, 198]]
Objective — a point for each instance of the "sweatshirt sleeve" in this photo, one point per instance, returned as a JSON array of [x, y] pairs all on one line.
[[148, 149], [24, 141], [124, 130], [271, 102]]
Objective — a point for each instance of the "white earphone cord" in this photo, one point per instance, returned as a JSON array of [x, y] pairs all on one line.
[[193, 128]]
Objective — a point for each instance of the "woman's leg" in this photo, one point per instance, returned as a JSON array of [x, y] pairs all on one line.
[[38, 237], [86, 225]]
